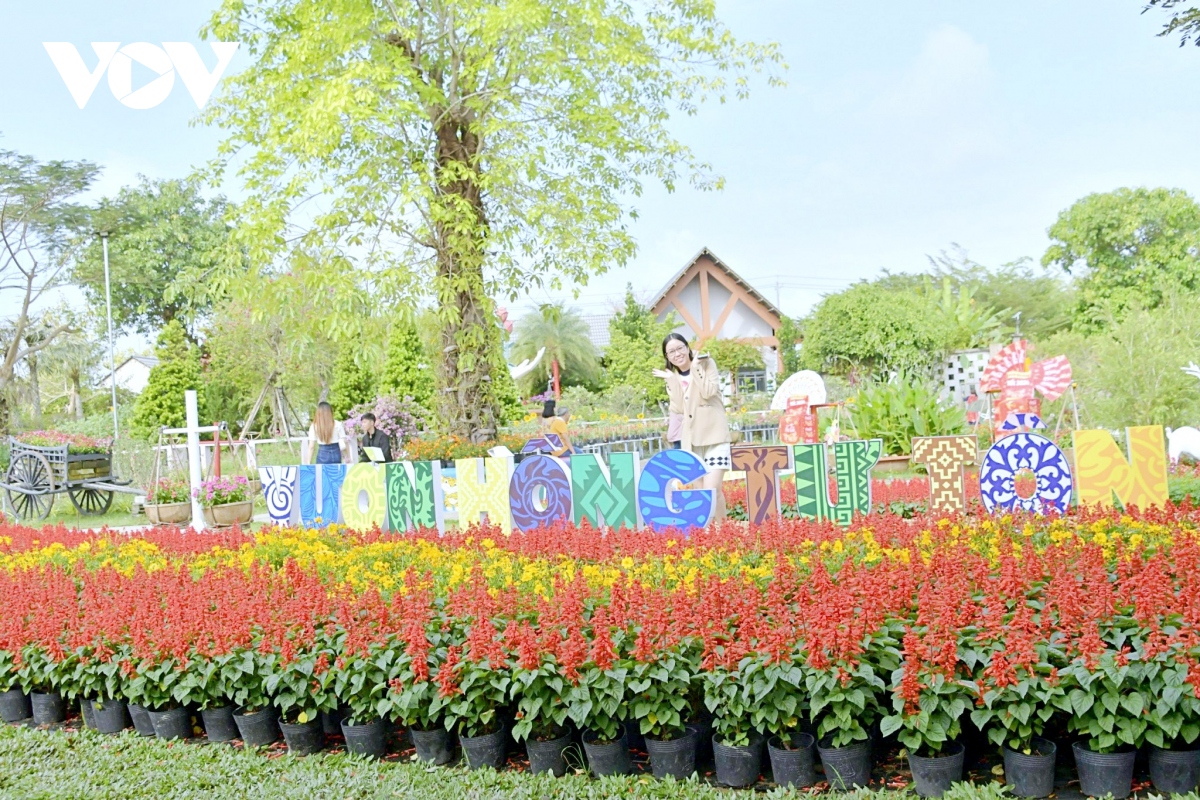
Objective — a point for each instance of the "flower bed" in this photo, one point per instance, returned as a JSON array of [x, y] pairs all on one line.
[[1087, 623]]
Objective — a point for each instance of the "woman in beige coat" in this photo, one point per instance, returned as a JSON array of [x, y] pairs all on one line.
[[694, 389]]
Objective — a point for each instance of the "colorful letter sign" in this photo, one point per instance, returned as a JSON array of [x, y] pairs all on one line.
[[487, 494], [684, 509], [414, 491], [1025, 471], [853, 461], [762, 466], [1102, 471], [363, 501], [279, 490], [544, 475], [945, 458], [605, 495]]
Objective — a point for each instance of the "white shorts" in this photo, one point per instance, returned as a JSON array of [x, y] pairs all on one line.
[[714, 456]]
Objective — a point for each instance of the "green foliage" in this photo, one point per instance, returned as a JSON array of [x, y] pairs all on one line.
[[161, 403], [568, 342], [1106, 702], [635, 349], [788, 335], [1130, 373], [1127, 248], [352, 384], [1185, 22], [659, 692], [407, 371], [732, 355], [573, 107], [165, 240], [902, 408], [872, 329], [938, 719], [845, 707]]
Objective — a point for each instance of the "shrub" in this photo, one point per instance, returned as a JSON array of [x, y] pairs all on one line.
[[903, 408]]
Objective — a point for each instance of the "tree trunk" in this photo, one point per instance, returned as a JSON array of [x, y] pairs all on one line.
[[470, 333], [35, 390], [76, 402]]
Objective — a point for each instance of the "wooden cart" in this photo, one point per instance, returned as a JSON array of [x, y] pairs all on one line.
[[36, 474]]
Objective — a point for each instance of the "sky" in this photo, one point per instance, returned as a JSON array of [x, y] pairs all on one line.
[[904, 129]]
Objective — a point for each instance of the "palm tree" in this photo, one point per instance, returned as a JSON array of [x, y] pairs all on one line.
[[570, 354]]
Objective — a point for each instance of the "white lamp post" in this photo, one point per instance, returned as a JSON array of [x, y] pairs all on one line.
[[112, 359]]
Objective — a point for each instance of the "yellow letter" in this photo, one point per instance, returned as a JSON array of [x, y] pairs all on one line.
[[1101, 470]]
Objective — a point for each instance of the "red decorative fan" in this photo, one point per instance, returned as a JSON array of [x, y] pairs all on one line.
[[1011, 357], [1050, 377]]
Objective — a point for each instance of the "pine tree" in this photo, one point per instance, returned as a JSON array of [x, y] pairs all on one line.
[[352, 383], [161, 403], [407, 373]]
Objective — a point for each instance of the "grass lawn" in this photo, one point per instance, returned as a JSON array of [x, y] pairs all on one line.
[[75, 764]]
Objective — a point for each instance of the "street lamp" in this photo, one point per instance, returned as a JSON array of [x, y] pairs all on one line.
[[112, 359]]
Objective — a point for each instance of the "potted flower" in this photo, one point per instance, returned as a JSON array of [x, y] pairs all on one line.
[[1107, 697], [659, 687], [737, 746], [928, 702], [226, 501], [206, 683], [845, 705], [301, 687], [254, 714], [14, 699], [361, 684], [1018, 699], [1174, 724], [168, 502], [779, 705], [597, 702], [541, 716], [415, 701], [155, 688], [46, 678], [475, 694]]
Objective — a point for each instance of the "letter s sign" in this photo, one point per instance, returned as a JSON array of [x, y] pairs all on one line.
[[172, 57]]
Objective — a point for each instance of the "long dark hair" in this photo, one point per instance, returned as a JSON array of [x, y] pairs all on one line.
[[677, 337]]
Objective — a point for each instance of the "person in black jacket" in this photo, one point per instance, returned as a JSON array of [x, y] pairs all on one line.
[[374, 438]]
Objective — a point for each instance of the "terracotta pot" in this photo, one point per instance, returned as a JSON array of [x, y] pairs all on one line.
[[169, 513], [223, 516]]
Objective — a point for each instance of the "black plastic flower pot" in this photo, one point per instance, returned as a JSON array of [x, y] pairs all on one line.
[[172, 723], [15, 706], [141, 720], [108, 715], [433, 746], [607, 758], [633, 735], [1174, 771], [331, 721], [258, 729], [486, 750], [367, 739], [673, 757], [738, 765], [1103, 774], [48, 708], [847, 767], [793, 766], [548, 756], [934, 775], [1031, 775], [303, 738], [218, 724], [85, 711], [702, 728]]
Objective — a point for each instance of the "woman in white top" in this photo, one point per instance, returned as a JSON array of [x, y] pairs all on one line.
[[327, 438]]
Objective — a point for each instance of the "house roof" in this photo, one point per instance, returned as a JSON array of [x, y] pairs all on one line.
[[725, 267]]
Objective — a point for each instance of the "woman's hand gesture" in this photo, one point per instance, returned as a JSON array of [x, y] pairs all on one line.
[[661, 373]]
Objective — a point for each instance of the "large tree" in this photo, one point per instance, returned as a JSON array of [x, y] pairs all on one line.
[[1129, 247], [467, 148], [1185, 20], [38, 214], [165, 240]]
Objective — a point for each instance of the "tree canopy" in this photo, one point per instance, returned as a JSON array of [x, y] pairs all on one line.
[[1129, 247], [568, 342], [165, 241], [473, 149], [635, 349]]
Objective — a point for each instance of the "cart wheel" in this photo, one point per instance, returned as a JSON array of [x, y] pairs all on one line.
[[91, 502], [31, 471]]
